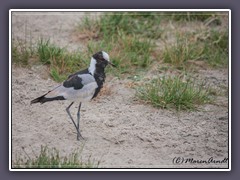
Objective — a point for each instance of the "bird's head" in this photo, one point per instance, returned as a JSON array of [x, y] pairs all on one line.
[[102, 59], [99, 60]]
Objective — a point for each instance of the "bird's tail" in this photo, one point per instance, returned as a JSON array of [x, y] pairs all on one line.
[[49, 96], [40, 99]]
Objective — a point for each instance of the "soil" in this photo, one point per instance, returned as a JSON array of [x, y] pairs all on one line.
[[119, 131]]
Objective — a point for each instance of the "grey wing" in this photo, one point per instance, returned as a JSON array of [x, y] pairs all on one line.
[[86, 78], [81, 87]]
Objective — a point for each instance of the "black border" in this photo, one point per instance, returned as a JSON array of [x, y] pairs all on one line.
[[121, 169], [62, 4]]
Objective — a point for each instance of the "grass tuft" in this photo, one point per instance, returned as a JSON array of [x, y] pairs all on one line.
[[174, 93], [47, 52], [51, 158], [146, 24], [21, 52], [210, 46], [182, 50], [60, 61], [216, 48]]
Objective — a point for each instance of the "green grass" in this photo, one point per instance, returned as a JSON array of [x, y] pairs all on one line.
[[191, 16], [51, 158], [174, 93], [211, 47], [127, 37], [21, 52], [47, 52], [128, 54], [130, 39], [145, 24], [216, 48], [181, 51], [60, 61]]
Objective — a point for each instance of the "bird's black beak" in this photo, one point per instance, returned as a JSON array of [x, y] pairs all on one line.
[[112, 64]]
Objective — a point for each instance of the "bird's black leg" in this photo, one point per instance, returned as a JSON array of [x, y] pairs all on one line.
[[67, 109], [78, 120]]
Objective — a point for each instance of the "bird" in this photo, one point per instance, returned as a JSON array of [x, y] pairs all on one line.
[[79, 87]]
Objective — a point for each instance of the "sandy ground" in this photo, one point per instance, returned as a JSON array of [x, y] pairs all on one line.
[[120, 132]]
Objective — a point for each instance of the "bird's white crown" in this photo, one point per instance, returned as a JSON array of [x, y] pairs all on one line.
[[105, 56]]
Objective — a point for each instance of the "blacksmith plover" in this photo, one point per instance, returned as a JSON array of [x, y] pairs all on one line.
[[80, 87]]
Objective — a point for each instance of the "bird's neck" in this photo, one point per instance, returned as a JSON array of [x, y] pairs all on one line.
[[97, 72], [92, 67], [99, 76]]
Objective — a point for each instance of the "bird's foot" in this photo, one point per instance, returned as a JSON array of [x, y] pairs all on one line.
[[79, 137]]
